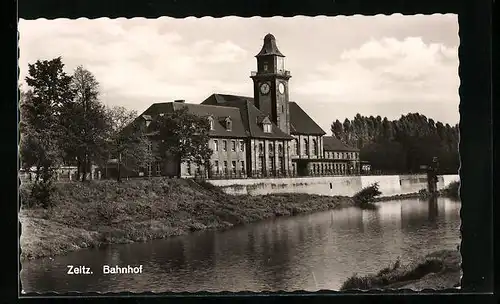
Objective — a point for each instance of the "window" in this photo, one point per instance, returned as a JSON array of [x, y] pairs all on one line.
[[267, 128], [271, 148], [233, 166], [280, 149], [225, 166], [242, 145], [228, 124], [189, 168], [211, 121], [315, 147], [297, 151], [158, 169], [261, 147], [150, 169], [216, 165], [233, 145], [265, 66], [243, 166], [282, 109], [306, 147], [216, 145], [224, 145], [150, 146]]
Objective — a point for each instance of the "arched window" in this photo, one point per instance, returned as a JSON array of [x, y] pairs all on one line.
[[271, 148], [280, 149], [306, 147], [315, 147]]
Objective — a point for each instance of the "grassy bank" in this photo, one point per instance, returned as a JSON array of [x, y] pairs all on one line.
[[437, 270], [94, 214]]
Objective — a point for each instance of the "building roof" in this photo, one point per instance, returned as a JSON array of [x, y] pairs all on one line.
[[331, 143], [300, 122], [251, 117], [219, 113], [269, 47]]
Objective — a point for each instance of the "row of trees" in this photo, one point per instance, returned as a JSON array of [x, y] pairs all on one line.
[[403, 145], [63, 122]]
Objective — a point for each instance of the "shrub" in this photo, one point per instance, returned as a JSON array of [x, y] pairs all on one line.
[[364, 198], [41, 194], [453, 190]]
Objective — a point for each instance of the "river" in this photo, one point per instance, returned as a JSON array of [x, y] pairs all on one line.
[[307, 252]]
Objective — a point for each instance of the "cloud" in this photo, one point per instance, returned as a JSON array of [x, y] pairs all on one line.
[[143, 59], [388, 70]]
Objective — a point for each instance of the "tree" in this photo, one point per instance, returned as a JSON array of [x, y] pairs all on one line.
[[403, 145], [184, 138], [337, 130], [84, 122], [40, 110], [128, 140]]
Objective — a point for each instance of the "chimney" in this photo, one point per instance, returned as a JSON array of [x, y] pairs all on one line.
[[180, 100]]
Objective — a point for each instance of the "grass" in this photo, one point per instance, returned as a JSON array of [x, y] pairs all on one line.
[[97, 213], [437, 270]]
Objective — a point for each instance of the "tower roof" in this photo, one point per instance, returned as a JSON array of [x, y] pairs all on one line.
[[269, 47]]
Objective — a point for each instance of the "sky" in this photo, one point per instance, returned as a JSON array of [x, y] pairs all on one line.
[[340, 66]]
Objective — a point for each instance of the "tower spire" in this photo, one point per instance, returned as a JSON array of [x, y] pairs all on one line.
[[269, 47]]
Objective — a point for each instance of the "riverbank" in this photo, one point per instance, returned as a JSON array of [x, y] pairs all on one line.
[[437, 270], [98, 213]]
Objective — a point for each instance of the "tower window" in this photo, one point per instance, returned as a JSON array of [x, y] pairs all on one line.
[[265, 66]]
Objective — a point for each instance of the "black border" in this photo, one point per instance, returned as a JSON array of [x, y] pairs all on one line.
[[476, 145]]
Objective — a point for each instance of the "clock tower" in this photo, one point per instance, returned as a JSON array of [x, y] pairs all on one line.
[[271, 84]]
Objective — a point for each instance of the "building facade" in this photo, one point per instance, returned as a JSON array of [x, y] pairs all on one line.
[[266, 135]]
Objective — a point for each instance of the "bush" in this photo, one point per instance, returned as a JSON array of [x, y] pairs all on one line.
[[25, 198], [453, 190], [41, 193], [364, 198]]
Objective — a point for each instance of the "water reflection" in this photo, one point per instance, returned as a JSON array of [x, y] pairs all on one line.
[[310, 252]]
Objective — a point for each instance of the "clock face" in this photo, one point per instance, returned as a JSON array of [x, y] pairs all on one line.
[[264, 88], [281, 88]]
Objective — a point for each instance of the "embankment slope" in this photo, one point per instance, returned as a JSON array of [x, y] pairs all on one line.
[[97, 213]]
